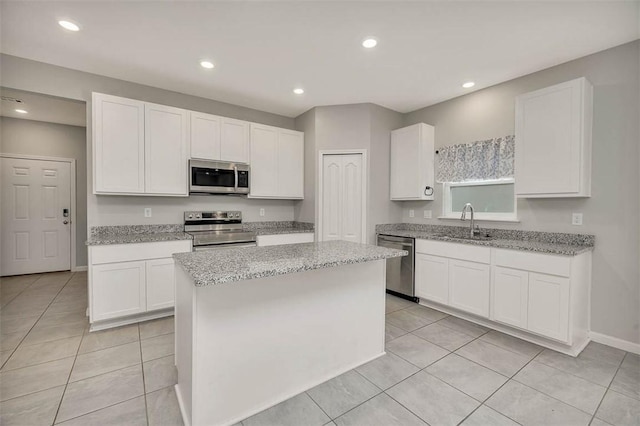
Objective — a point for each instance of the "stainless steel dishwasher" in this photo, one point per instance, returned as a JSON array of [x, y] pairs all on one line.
[[400, 270]]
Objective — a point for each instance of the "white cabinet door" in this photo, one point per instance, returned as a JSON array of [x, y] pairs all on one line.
[[264, 161], [549, 306], [412, 162], [117, 290], [290, 164], [234, 144], [432, 278], [166, 150], [205, 136], [118, 145], [469, 286], [510, 296], [553, 135], [160, 284]]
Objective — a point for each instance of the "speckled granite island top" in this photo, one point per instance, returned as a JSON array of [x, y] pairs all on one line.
[[224, 266], [541, 242]]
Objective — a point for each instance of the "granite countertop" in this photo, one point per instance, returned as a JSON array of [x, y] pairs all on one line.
[[104, 235], [540, 242], [131, 234], [278, 227], [224, 266]]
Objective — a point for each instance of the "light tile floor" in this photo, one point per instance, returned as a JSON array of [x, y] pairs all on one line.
[[439, 370]]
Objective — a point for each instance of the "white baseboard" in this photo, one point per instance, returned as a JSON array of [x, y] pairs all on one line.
[[79, 268], [625, 345]]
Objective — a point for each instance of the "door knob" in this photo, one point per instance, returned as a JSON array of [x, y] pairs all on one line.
[[66, 222]]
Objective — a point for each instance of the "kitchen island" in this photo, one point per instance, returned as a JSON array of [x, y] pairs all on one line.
[[256, 326]]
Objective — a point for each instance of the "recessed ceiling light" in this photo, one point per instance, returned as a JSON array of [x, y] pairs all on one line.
[[68, 25], [207, 64], [298, 91], [21, 111], [468, 84], [369, 42]]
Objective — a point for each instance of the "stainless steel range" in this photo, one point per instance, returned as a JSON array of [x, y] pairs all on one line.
[[216, 230]]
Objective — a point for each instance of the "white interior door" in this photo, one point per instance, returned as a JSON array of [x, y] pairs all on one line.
[[342, 197], [35, 235]]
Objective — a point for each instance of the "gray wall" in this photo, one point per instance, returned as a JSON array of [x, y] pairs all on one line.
[[38, 77], [611, 213], [53, 140], [357, 126], [305, 210]]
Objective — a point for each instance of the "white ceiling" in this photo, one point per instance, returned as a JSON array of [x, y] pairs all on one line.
[[43, 108], [262, 50]]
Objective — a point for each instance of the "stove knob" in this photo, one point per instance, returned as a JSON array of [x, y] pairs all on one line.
[[190, 216], [197, 216], [237, 214]]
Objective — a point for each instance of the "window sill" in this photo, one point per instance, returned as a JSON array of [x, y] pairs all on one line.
[[481, 219]]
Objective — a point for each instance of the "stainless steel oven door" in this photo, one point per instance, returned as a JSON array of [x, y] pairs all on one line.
[[223, 246]]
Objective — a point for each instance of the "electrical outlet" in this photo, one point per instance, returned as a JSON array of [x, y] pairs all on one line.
[[147, 212], [412, 213], [576, 219], [427, 214], [261, 212]]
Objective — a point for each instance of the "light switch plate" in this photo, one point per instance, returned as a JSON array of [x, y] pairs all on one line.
[[261, 212], [147, 212], [412, 213], [576, 219], [427, 214]]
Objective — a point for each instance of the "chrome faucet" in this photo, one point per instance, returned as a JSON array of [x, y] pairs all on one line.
[[473, 229]]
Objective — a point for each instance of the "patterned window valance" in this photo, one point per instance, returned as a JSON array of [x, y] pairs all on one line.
[[480, 160]]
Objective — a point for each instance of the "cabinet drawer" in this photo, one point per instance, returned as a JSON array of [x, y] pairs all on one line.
[[141, 251], [454, 250], [275, 240], [534, 262]]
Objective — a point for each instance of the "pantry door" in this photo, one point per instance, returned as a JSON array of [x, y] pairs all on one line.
[[35, 233], [342, 197]]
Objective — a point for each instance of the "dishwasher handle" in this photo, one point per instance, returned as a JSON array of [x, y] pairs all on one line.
[[395, 240]]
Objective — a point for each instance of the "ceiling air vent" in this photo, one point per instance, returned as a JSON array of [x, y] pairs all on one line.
[[10, 99]]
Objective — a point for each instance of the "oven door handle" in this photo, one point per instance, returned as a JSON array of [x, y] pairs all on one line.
[[235, 172]]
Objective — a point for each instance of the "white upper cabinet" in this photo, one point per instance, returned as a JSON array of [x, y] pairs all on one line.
[[219, 138], [166, 150], [412, 163], [234, 142], [553, 141], [205, 136], [118, 145], [139, 148], [277, 163]]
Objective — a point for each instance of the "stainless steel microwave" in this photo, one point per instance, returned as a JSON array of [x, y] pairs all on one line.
[[218, 177]]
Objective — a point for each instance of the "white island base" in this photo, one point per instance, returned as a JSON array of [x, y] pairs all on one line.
[[244, 346]]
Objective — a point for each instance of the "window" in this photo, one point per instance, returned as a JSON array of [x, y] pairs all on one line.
[[491, 199]]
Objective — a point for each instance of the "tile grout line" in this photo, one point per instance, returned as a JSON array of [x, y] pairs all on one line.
[[608, 388], [70, 371], [144, 385], [39, 317]]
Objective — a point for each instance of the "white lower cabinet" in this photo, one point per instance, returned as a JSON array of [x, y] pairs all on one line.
[[118, 289], [432, 278], [131, 280], [549, 306], [469, 284], [510, 295], [160, 284], [539, 294]]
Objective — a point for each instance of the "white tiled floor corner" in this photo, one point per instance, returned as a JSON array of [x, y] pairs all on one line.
[[438, 370]]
